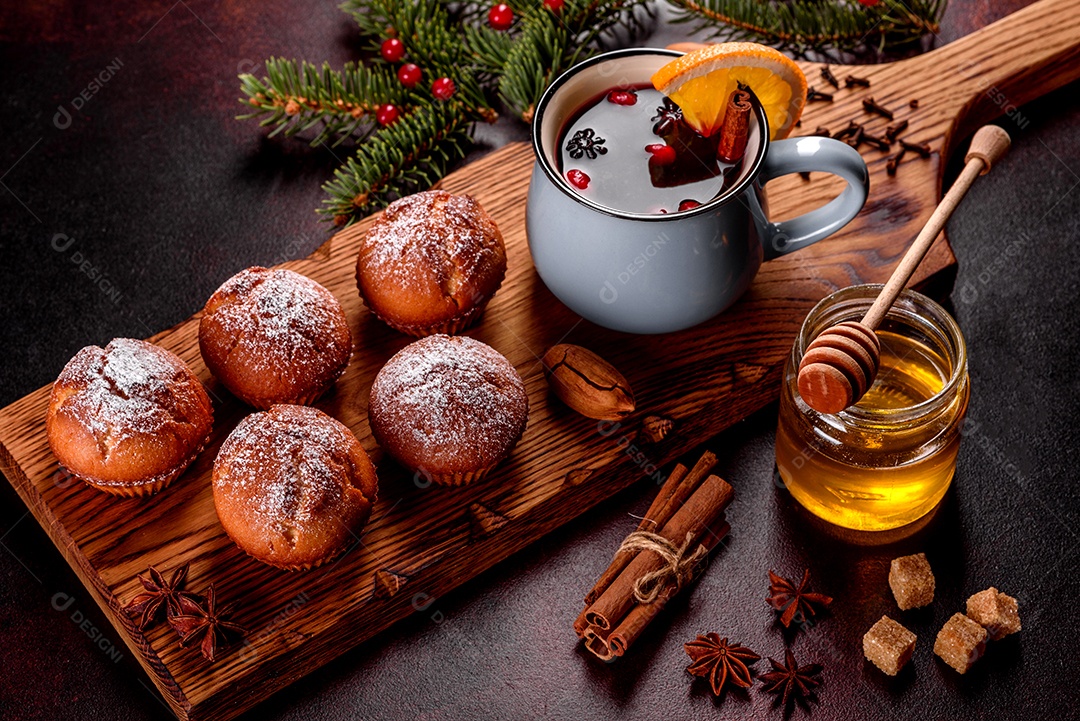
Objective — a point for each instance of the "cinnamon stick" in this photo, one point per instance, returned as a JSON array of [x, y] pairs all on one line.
[[678, 487], [702, 508], [652, 519], [680, 493], [736, 127], [596, 642], [580, 624], [641, 615]]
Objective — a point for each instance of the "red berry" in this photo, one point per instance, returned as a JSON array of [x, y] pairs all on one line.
[[869, 3], [554, 6], [443, 88], [622, 97], [392, 50], [578, 179], [387, 114], [662, 154], [501, 17], [409, 74], [689, 204]]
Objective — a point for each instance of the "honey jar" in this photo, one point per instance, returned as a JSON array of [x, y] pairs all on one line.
[[888, 460]]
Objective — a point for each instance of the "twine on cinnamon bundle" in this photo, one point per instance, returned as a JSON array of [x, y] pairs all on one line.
[[678, 568], [684, 523]]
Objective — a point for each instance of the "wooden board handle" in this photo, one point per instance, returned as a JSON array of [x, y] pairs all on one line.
[[1002, 66]]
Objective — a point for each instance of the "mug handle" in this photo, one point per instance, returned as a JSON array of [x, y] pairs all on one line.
[[798, 155]]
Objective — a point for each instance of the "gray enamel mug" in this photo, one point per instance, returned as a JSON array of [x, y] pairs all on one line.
[[646, 273]]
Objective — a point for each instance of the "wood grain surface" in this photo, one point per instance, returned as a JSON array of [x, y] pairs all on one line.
[[423, 541]]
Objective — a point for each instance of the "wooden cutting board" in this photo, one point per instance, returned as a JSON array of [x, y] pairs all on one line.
[[423, 541]]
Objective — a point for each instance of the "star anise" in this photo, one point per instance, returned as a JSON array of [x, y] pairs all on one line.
[[791, 678], [667, 117], [586, 142], [159, 594], [205, 624], [718, 661], [794, 601]]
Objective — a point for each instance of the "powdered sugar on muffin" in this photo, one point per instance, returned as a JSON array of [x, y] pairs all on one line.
[[292, 486], [274, 336], [448, 404], [430, 263], [128, 418]]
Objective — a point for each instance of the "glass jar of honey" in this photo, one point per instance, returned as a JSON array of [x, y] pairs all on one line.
[[889, 459]]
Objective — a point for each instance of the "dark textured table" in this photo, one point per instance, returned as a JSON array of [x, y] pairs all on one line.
[[122, 213]]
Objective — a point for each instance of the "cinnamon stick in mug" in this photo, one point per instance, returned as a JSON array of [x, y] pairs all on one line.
[[736, 128], [700, 511]]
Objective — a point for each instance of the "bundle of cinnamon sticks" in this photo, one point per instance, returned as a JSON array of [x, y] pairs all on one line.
[[687, 514]]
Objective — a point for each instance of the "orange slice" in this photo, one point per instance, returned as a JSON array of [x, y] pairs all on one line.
[[701, 81]]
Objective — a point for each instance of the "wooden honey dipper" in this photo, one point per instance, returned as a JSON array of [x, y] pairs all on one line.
[[840, 365]]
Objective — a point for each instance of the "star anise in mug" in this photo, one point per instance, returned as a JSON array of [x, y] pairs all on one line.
[[791, 678], [159, 595], [720, 662], [205, 624], [667, 117], [794, 601], [586, 142]]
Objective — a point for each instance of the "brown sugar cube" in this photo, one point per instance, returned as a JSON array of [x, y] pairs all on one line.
[[912, 581], [994, 611], [960, 642], [888, 645]]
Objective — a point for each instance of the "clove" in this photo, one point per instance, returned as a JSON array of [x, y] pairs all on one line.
[[872, 106], [880, 143], [923, 150], [893, 130], [856, 137], [851, 129], [828, 77], [890, 166]]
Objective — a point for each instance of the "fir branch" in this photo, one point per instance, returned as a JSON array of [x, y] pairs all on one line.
[[403, 158], [542, 50], [804, 25], [489, 48], [432, 37], [548, 44], [296, 96]]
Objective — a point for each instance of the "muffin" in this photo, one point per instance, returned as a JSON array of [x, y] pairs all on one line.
[[293, 487], [274, 336], [449, 408], [431, 263], [127, 418]]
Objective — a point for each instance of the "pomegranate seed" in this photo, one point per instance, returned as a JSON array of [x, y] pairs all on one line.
[[387, 114], [622, 97], [554, 6], [689, 204], [409, 74], [500, 17], [662, 154], [443, 88], [578, 179], [392, 50]]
